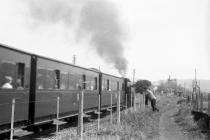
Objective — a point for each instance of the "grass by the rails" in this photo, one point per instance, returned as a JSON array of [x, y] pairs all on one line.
[[194, 130], [139, 125]]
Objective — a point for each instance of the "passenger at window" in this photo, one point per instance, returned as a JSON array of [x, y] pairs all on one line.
[[56, 83], [18, 81], [40, 86], [8, 83], [91, 87], [63, 86], [79, 87]]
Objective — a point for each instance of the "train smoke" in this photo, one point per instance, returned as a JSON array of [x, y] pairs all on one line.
[[96, 19], [100, 20], [51, 11]]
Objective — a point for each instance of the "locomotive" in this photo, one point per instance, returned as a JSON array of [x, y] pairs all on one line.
[[36, 82]]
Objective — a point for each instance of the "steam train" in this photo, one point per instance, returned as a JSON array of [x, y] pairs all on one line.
[[37, 81]]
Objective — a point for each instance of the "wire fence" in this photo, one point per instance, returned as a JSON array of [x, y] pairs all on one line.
[[81, 129], [201, 104]]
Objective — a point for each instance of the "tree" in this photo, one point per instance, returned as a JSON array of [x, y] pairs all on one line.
[[142, 85]]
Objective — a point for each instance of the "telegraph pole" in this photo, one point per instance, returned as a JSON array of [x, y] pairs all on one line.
[[133, 98], [134, 72], [74, 59]]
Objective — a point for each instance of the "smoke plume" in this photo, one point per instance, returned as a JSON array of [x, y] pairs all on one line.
[[51, 11], [98, 19]]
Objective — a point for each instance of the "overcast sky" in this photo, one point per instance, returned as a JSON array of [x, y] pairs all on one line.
[[156, 37]]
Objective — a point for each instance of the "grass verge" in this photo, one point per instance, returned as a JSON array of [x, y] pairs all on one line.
[[195, 130], [142, 124]]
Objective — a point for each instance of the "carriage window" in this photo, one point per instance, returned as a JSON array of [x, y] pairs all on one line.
[[107, 84], [50, 79], [118, 86], [20, 75], [72, 82], [88, 83], [115, 85], [84, 81], [79, 83], [96, 83], [64, 80], [57, 79], [27, 76], [104, 84], [123, 86], [93, 83], [112, 83], [41, 76], [7, 74]]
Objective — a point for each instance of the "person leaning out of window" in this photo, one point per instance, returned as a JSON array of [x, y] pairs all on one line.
[[8, 83]]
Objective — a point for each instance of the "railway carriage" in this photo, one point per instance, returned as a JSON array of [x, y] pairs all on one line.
[[55, 78], [37, 82], [111, 85]]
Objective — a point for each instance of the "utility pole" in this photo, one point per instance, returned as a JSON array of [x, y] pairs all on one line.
[[133, 96], [134, 72], [195, 79], [74, 59]]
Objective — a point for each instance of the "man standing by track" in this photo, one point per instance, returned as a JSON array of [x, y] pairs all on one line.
[[150, 96]]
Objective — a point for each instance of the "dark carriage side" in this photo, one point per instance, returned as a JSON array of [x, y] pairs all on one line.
[[58, 79], [15, 66], [110, 86]]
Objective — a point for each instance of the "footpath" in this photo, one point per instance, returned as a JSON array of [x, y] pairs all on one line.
[[168, 129]]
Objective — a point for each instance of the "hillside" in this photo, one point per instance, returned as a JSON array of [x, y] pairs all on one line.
[[204, 84]]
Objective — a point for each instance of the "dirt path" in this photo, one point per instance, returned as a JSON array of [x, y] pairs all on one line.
[[168, 129]]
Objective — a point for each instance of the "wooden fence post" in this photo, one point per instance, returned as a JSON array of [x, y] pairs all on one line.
[[99, 110], [80, 116], [111, 108], [118, 108], [209, 109], [143, 102], [12, 119], [192, 102], [134, 102], [197, 102], [131, 100], [126, 103], [201, 102], [209, 104], [57, 119]]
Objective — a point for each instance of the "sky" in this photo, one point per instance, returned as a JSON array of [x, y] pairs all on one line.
[[157, 38]]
